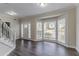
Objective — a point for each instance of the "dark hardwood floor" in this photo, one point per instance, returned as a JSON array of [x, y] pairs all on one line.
[[30, 48]]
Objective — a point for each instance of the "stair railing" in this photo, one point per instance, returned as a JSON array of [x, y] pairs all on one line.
[[7, 35]]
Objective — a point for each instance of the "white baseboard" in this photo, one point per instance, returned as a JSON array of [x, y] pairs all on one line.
[[71, 46], [37, 40]]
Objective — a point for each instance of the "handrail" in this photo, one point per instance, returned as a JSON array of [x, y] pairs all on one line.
[[7, 33]]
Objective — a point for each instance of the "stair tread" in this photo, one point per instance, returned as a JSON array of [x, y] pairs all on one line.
[[4, 50]]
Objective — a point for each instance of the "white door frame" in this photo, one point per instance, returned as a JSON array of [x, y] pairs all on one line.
[[23, 27]]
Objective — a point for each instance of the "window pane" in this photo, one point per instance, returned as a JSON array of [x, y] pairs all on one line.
[[61, 30], [29, 30], [50, 30], [39, 30]]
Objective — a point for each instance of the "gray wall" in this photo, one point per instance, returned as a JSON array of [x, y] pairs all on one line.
[[77, 29], [71, 23]]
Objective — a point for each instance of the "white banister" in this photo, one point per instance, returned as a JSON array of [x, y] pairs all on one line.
[[7, 35]]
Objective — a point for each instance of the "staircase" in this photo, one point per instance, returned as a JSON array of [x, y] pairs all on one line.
[[7, 39]]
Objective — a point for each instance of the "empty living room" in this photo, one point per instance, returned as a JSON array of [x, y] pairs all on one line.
[[39, 29]]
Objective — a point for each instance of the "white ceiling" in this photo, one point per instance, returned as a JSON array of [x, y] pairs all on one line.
[[28, 9]]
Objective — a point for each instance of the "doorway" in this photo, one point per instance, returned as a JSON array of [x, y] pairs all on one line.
[[26, 31]]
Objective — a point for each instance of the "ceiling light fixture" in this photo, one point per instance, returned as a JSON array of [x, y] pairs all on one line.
[[42, 4], [11, 13]]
